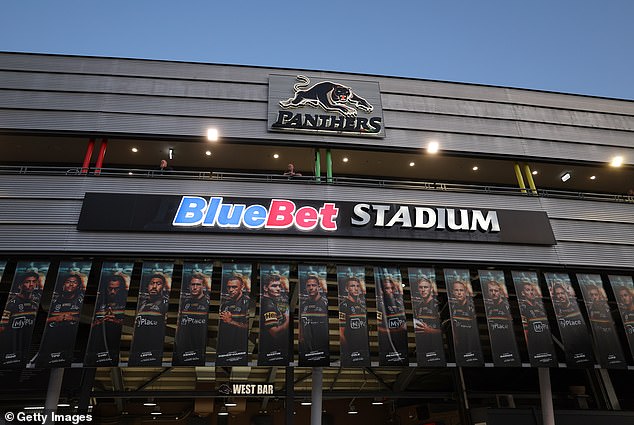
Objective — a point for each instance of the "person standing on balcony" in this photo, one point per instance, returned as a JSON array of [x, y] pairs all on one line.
[[290, 171]]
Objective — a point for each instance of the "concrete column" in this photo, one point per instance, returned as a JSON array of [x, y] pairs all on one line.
[[315, 407], [546, 395], [52, 393]]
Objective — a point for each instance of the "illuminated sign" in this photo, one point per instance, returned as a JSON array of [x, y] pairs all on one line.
[[313, 105], [216, 214]]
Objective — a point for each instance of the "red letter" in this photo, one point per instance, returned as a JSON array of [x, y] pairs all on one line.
[[280, 214], [306, 218], [328, 215]]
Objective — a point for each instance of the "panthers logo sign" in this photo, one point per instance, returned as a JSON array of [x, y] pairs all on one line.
[[331, 97], [344, 107]]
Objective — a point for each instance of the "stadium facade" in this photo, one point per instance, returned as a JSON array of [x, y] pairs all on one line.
[[83, 194]]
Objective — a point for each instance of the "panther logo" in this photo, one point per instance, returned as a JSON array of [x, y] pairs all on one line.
[[329, 96]]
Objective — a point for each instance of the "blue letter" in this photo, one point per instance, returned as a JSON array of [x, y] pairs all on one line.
[[191, 211]]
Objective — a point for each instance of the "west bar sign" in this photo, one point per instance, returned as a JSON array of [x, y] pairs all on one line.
[[217, 214], [316, 105]]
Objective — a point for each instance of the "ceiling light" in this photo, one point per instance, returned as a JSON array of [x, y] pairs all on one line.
[[305, 403], [34, 408], [149, 403], [377, 403], [565, 176], [208, 153], [223, 412], [63, 405], [411, 164], [475, 168], [212, 134], [432, 147], [535, 172], [345, 159], [230, 403], [130, 173], [593, 177], [171, 153], [352, 410], [156, 413], [617, 161], [276, 155], [135, 150]]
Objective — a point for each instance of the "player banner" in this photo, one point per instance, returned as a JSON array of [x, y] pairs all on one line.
[[151, 315], [193, 312], [20, 311], [541, 351], [390, 314], [353, 320], [107, 322], [58, 341], [623, 289], [572, 325], [466, 337], [313, 316], [427, 324], [275, 327], [499, 319], [607, 344], [233, 326]]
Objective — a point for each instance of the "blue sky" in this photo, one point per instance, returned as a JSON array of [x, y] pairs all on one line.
[[572, 46]]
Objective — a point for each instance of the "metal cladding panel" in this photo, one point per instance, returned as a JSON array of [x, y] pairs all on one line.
[[132, 85], [132, 104], [505, 111], [595, 232], [580, 209], [233, 73], [33, 210], [56, 239]]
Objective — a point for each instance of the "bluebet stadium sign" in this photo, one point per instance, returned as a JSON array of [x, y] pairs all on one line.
[[217, 214]]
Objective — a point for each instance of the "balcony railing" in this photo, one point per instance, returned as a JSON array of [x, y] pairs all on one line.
[[341, 181]]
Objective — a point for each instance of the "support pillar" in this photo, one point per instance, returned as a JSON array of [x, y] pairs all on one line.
[[461, 392], [315, 407], [328, 166], [101, 156], [317, 166], [520, 179], [290, 395], [88, 156], [52, 393], [546, 395], [529, 178]]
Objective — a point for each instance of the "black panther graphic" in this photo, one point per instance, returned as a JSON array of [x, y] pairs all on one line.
[[329, 96]]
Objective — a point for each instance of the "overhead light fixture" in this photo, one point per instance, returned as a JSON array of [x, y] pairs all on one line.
[[171, 153], [565, 176], [432, 147], [212, 134], [223, 412], [156, 413], [593, 177], [535, 172], [305, 403], [135, 150], [411, 164], [352, 410], [34, 408], [63, 405], [130, 173], [345, 159], [150, 403], [208, 153], [475, 168], [276, 155], [230, 403], [617, 161], [377, 402]]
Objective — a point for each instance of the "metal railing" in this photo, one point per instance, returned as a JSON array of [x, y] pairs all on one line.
[[338, 181]]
